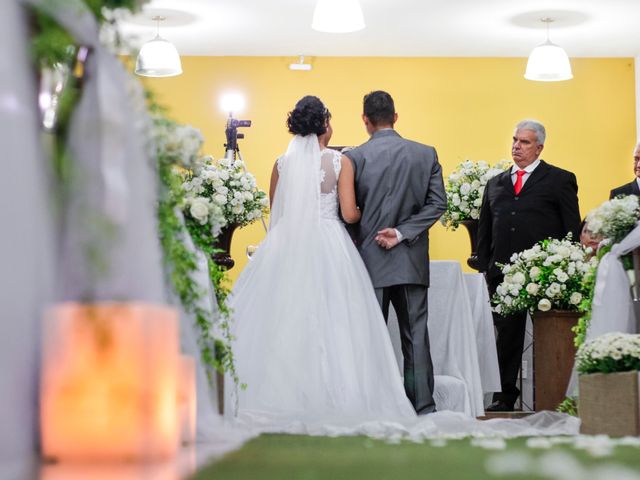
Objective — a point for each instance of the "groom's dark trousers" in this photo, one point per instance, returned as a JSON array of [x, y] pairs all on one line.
[[411, 305], [399, 185]]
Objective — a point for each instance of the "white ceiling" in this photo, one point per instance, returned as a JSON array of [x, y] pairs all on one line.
[[424, 28]]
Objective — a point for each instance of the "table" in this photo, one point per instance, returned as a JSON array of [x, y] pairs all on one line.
[[463, 348]]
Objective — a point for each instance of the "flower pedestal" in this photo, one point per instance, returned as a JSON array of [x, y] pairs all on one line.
[[223, 242], [553, 356], [109, 382], [608, 404], [472, 229]]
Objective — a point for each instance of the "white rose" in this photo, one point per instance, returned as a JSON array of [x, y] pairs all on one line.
[[222, 190], [514, 290], [533, 289], [199, 210], [220, 199], [455, 200], [264, 201], [544, 305], [534, 273], [223, 175], [237, 209], [501, 290], [562, 276], [465, 188], [508, 301], [519, 278], [575, 298], [248, 196]]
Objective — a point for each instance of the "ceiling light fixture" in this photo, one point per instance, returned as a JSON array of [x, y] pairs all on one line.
[[158, 57], [337, 16], [548, 62], [300, 65]]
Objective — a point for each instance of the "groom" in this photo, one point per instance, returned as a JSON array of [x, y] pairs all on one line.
[[400, 192]]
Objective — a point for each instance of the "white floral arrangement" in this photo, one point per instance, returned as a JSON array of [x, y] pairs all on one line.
[[181, 143], [609, 353], [553, 274], [221, 193], [465, 187], [615, 218]]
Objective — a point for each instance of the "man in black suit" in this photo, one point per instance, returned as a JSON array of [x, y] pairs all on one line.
[[631, 188], [527, 203]]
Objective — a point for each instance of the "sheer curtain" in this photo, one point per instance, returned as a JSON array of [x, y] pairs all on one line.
[[26, 242]]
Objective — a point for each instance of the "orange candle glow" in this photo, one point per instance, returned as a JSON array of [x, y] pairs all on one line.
[[109, 382]]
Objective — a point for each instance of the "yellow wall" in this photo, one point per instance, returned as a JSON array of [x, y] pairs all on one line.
[[465, 107]]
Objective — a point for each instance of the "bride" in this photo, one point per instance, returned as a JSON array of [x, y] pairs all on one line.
[[311, 342]]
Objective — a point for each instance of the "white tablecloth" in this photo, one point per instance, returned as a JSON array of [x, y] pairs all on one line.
[[461, 335], [485, 333]]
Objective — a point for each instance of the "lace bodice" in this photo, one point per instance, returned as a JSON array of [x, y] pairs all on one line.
[[329, 173]]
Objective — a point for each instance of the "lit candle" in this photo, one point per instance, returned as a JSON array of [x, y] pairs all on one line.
[[109, 382]]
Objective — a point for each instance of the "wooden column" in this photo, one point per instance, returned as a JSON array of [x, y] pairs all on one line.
[[553, 356]]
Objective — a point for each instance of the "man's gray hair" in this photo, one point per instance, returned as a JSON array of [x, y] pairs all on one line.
[[537, 127]]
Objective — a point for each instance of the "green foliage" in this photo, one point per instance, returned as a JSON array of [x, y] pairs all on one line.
[[569, 406], [627, 363], [216, 354], [52, 44]]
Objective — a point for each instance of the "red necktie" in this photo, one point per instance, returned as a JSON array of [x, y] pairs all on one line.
[[518, 185]]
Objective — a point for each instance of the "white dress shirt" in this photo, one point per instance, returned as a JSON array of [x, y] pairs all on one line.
[[529, 169]]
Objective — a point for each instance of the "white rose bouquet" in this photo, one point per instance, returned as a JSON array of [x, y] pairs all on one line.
[[465, 187], [222, 192], [178, 143], [552, 274], [615, 218], [609, 353]]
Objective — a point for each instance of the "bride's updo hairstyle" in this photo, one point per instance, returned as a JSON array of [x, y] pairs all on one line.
[[309, 116]]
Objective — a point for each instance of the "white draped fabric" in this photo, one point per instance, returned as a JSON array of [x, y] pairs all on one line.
[[26, 243], [485, 332], [110, 210], [612, 307], [462, 339]]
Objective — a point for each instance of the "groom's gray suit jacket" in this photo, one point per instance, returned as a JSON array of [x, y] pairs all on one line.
[[398, 185]]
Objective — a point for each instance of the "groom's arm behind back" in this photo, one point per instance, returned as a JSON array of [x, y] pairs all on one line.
[[435, 202]]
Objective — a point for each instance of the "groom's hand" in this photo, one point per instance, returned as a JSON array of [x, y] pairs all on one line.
[[387, 238]]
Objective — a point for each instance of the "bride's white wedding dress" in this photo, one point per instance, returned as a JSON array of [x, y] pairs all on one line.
[[311, 343]]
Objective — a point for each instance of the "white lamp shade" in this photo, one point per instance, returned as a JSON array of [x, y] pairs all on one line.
[[158, 58], [548, 63], [337, 16]]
